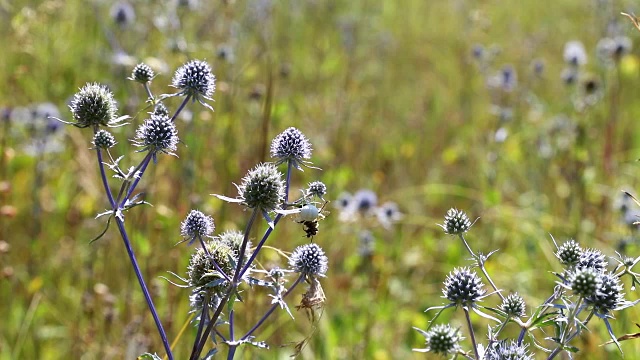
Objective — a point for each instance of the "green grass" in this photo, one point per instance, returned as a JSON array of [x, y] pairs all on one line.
[[403, 110]]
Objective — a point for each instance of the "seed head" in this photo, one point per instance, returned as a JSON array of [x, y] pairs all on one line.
[[513, 305], [93, 106], [443, 339], [195, 79], [201, 270], [569, 253], [592, 259], [262, 188], [309, 259], [291, 146], [585, 282], [103, 140], [157, 134], [196, 225], [456, 222], [463, 287], [609, 296], [142, 73], [317, 188], [504, 350]]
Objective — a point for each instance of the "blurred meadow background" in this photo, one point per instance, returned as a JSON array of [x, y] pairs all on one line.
[[429, 104]]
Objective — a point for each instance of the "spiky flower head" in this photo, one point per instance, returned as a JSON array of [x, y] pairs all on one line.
[[142, 73], [442, 339], [317, 188], [569, 253], [456, 222], [103, 140], [291, 146], [513, 305], [157, 134], [94, 106], [201, 270], [585, 282], [160, 109], [503, 350], [463, 286], [593, 259], [233, 239], [609, 296], [262, 188], [309, 259], [196, 80], [196, 225]]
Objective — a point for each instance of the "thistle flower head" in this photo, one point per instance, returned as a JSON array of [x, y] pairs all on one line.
[[94, 106], [463, 286], [309, 259], [142, 73], [262, 188], [609, 296], [456, 222], [442, 339], [233, 239], [103, 139], [592, 259], [503, 350], [201, 271], [513, 305], [291, 146], [569, 253], [196, 225], [317, 188], [196, 80], [157, 134], [585, 282]]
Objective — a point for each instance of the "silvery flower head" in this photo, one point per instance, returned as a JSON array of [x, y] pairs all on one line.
[[160, 109], [513, 305], [456, 222], [574, 53], [309, 259], [291, 146], [608, 297], [569, 253], [593, 259], [262, 188], [463, 287], [585, 282], [503, 350], [442, 339], [142, 73], [157, 134], [317, 188], [195, 79], [93, 106], [103, 140], [196, 225]]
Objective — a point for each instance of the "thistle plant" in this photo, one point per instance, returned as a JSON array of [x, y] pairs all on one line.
[[586, 289], [222, 268]]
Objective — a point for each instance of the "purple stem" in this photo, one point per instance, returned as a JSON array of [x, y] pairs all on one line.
[[145, 163], [184, 103]]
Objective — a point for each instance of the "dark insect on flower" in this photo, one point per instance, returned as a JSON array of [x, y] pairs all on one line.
[[309, 216]]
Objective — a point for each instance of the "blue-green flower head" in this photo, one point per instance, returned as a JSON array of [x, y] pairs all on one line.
[[442, 339], [262, 188], [291, 146], [463, 287], [609, 296], [93, 106], [309, 259], [157, 134], [103, 140], [196, 80]]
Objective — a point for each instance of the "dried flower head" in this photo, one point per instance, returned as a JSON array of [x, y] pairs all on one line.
[[291, 146], [456, 222], [569, 253], [142, 73], [442, 339], [262, 188], [503, 350], [157, 134], [103, 140], [608, 297], [196, 226], [463, 287], [309, 259], [513, 305], [585, 282], [195, 79], [93, 106]]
